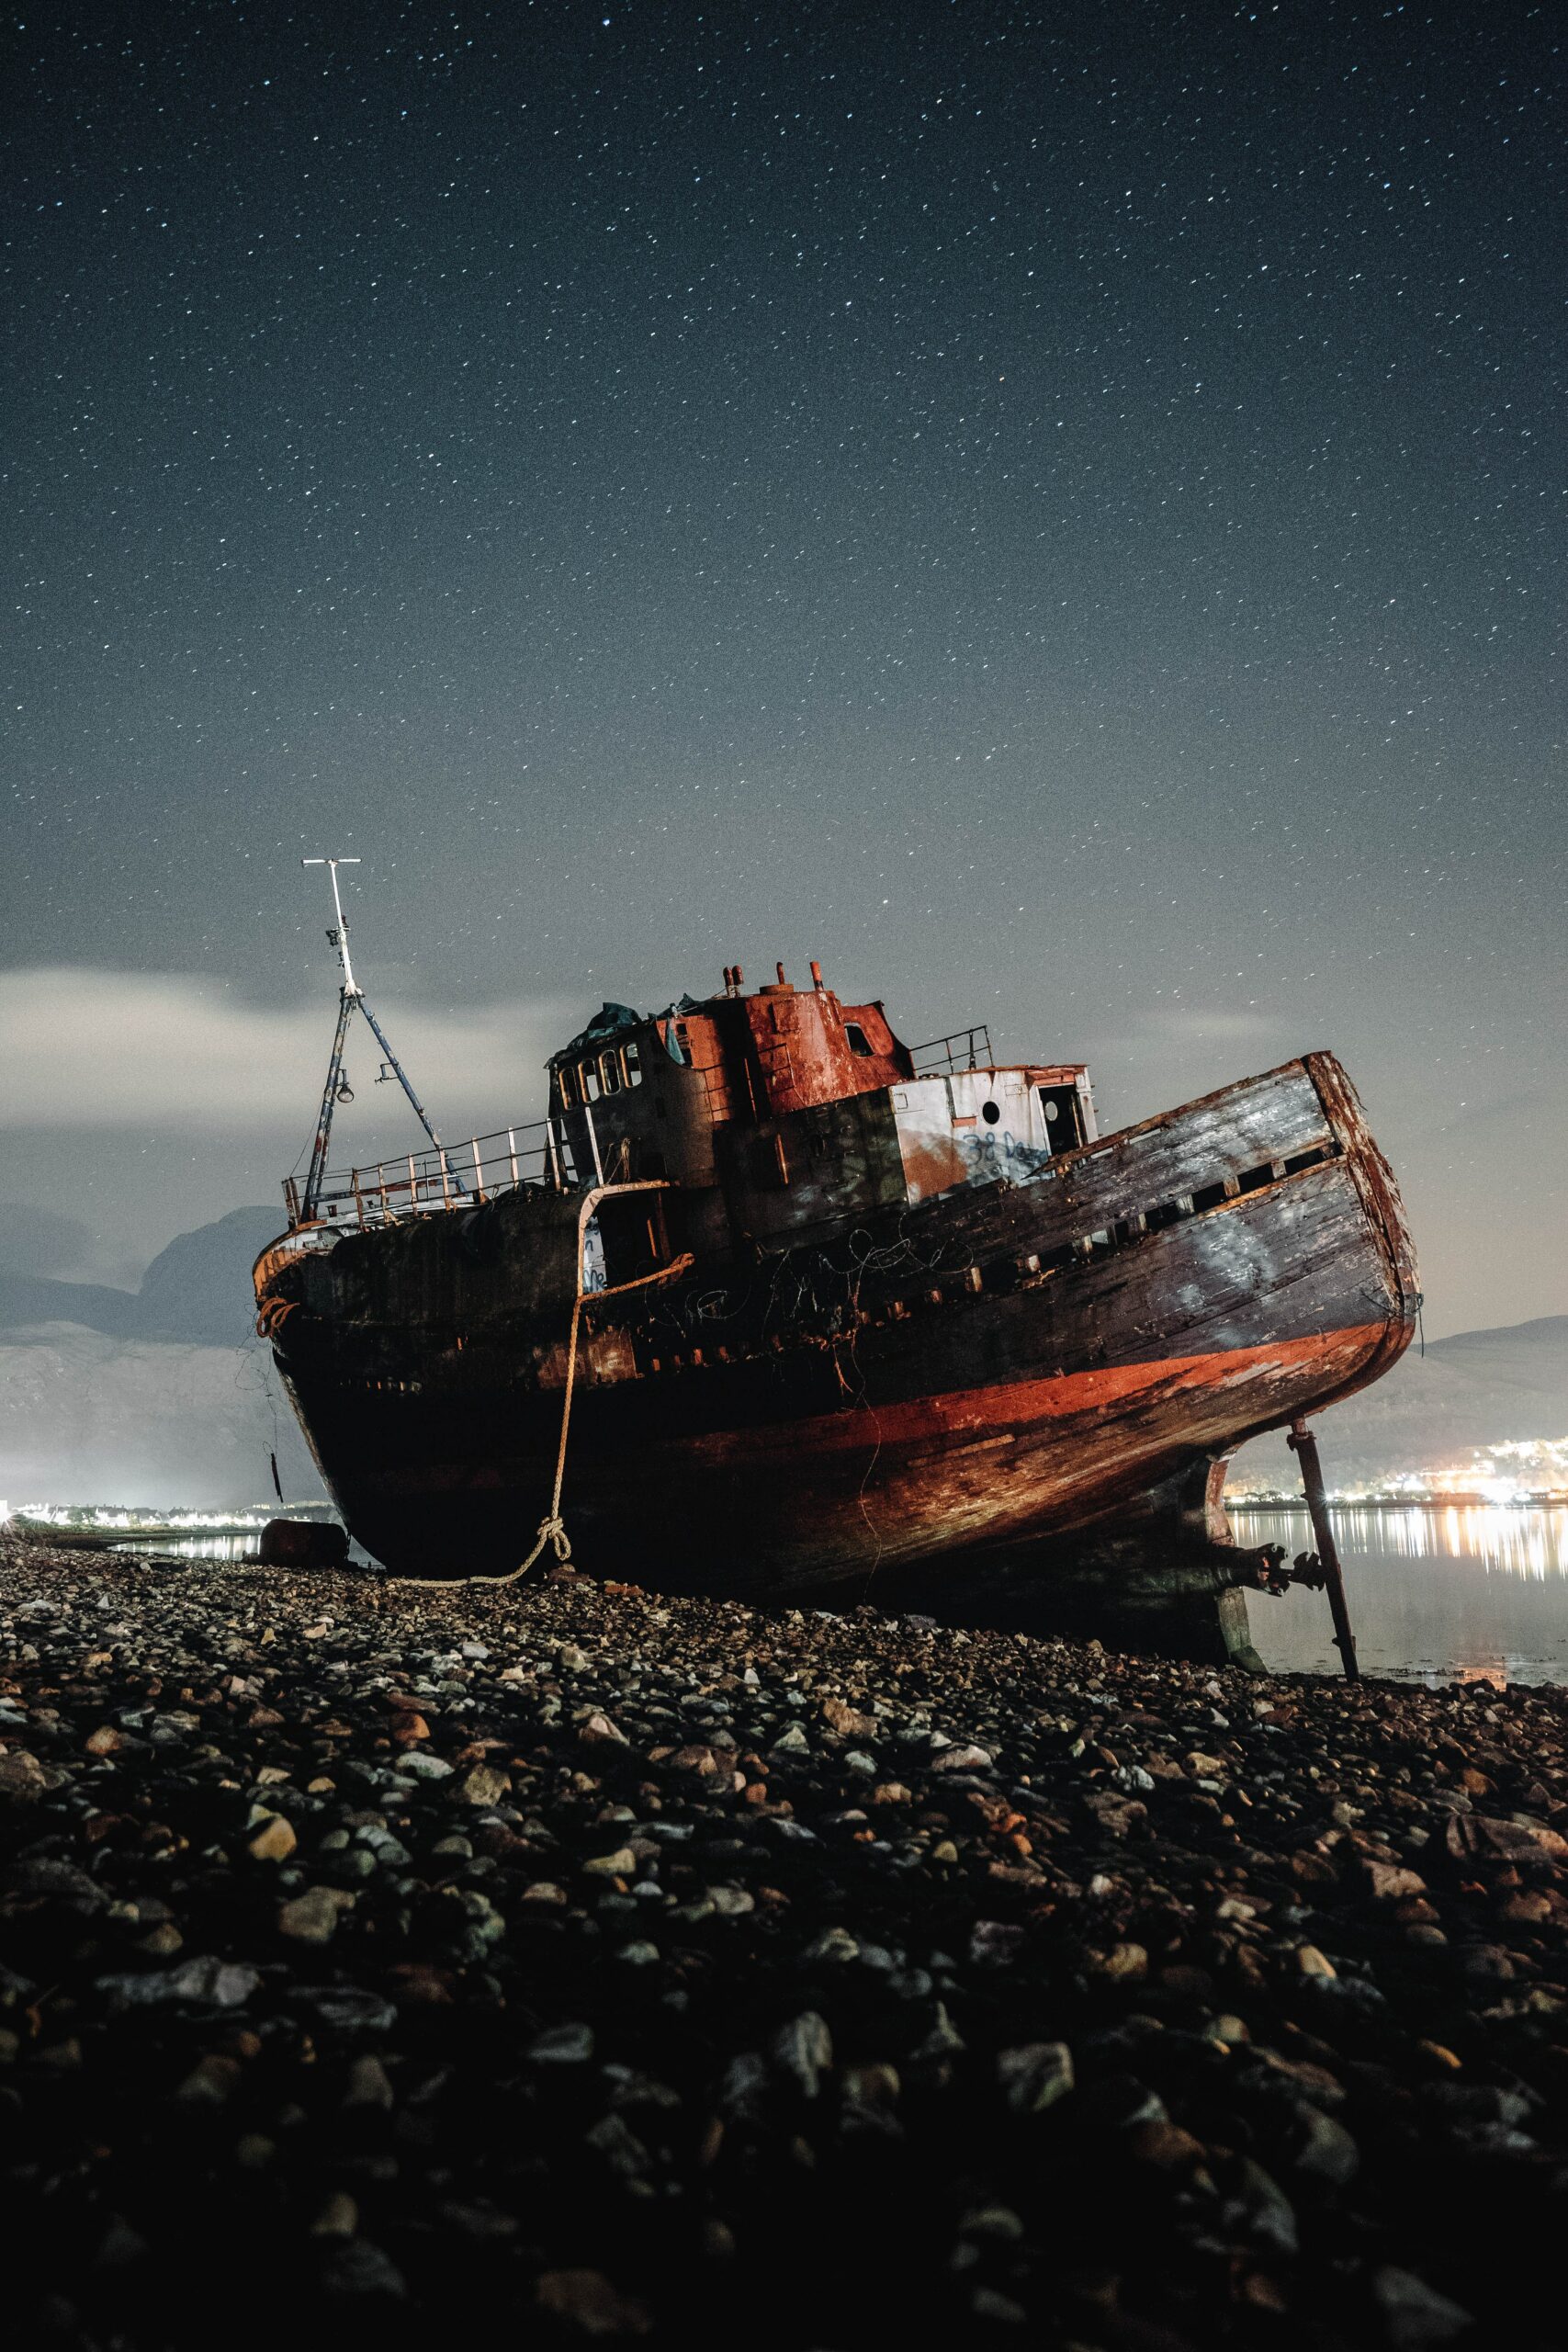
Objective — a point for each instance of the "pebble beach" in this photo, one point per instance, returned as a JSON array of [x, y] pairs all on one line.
[[564, 1962]]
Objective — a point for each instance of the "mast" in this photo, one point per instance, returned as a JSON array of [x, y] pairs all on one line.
[[351, 998]]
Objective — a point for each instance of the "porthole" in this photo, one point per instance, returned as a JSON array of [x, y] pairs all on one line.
[[990, 1113]]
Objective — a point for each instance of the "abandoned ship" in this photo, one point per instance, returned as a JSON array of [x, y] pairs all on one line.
[[773, 1304]]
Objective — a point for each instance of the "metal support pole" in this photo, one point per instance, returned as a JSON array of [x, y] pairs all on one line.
[[593, 1146], [1303, 1445], [322, 1144], [402, 1076]]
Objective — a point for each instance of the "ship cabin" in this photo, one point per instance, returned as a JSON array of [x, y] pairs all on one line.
[[783, 1115]]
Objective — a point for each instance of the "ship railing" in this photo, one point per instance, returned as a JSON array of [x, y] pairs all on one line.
[[454, 1176], [965, 1049]]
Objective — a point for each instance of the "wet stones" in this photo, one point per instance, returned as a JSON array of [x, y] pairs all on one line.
[[312, 1918], [587, 2303], [1035, 2076], [23, 1780], [272, 1841], [803, 2052]]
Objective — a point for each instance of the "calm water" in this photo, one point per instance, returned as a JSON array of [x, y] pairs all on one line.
[[206, 1543], [1476, 1590]]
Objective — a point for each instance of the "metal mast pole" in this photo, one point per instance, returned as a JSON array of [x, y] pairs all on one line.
[[349, 996], [332, 863], [338, 938]]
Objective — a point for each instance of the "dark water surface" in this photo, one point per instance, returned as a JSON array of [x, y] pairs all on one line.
[[1469, 1591]]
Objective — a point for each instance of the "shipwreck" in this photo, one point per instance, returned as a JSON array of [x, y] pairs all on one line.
[[772, 1304]]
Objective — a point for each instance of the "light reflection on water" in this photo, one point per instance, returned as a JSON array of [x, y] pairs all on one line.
[[1471, 1589], [203, 1544]]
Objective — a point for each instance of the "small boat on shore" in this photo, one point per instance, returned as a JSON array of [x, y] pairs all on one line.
[[772, 1304]]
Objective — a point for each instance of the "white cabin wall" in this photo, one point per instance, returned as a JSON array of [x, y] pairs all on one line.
[[947, 1141]]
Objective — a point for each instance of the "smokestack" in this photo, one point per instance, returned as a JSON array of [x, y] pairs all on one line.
[[815, 975], [779, 969]]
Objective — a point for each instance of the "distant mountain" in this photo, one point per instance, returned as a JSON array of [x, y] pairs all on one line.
[[1473, 1389], [198, 1289], [27, 1299]]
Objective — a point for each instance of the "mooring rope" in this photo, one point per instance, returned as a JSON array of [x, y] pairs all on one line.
[[552, 1527]]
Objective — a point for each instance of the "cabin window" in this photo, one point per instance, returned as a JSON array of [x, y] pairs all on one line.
[[631, 1054], [990, 1113], [566, 1086], [589, 1083], [859, 1042], [610, 1071]]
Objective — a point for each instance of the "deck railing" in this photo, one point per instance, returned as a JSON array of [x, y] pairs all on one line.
[[965, 1049], [458, 1176]]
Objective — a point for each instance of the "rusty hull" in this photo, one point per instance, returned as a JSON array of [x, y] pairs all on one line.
[[949, 1383]]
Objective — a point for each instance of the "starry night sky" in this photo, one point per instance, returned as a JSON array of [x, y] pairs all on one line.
[[1057, 511]]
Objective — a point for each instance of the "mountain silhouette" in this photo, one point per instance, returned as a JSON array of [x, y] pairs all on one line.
[[198, 1289]]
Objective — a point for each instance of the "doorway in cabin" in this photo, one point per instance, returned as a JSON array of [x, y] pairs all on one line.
[[1063, 1110]]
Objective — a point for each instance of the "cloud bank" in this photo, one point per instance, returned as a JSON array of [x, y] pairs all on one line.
[[85, 1048]]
